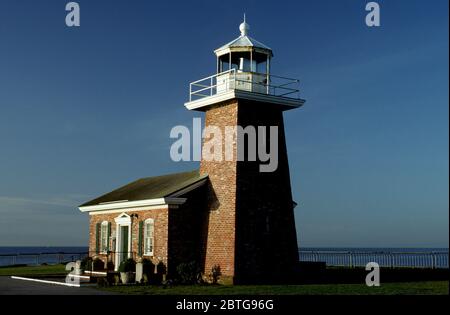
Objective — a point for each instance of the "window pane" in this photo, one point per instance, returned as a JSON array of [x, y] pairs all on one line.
[[104, 237], [148, 238]]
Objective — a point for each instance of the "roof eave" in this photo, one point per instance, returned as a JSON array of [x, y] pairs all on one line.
[[223, 51], [134, 204]]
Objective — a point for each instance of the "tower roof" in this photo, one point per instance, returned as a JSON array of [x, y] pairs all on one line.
[[243, 43]]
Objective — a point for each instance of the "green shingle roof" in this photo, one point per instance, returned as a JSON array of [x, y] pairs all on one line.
[[150, 188]]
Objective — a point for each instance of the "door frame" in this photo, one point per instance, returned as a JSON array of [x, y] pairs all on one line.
[[122, 220]]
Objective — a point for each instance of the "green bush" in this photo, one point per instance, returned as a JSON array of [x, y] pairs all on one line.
[[148, 271], [128, 265], [215, 274], [110, 265], [88, 264], [189, 273], [147, 266], [98, 264]]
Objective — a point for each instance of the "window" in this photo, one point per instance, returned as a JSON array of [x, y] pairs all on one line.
[[148, 237], [104, 237]]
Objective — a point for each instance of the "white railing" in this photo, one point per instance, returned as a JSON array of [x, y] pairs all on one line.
[[392, 259], [246, 81], [39, 258]]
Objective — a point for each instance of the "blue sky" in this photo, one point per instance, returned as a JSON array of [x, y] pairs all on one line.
[[85, 110]]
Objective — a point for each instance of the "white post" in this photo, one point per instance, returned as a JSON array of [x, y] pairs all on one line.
[[116, 265], [267, 74], [130, 244]]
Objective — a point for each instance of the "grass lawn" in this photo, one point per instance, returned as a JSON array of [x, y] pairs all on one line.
[[406, 288], [32, 270]]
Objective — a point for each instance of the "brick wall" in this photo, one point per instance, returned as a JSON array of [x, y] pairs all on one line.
[[266, 241], [221, 198], [186, 226], [160, 217], [251, 227]]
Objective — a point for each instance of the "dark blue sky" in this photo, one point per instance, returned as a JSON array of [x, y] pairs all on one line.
[[85, 110]]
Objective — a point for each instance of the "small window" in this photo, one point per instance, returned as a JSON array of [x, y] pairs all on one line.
[[104, 237], [149, 237]]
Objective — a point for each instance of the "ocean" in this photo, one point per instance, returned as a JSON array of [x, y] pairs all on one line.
[[36, 255], [43, 249]]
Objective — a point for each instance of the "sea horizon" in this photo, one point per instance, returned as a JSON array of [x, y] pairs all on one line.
[[5, 250]]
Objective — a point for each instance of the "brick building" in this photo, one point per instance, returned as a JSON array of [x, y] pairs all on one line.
[[228, 213]]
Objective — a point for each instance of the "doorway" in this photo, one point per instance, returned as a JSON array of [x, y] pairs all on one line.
[[123, 237]]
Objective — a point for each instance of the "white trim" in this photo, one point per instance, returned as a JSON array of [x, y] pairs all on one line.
[[163, 207], [116, 201], [81, 277], [290, 103], [188, 189], [95, 272], [133, 204], [122, 220], [46, 281], [104, 225], [149, 221]]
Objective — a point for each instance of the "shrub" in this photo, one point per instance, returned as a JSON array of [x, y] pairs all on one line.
[[189, 273], [110, 265], [128, 265], [86, 264], [89, 264], [148, 271], [98, 264], [160, 275], [215, 274], [147, 266]]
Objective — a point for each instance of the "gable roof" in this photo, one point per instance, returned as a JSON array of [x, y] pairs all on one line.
[[150, 188]]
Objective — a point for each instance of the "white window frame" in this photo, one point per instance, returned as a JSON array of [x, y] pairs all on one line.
[[104, 237], [149, 238]]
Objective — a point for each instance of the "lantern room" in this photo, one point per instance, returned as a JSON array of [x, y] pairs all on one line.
[[244, 71], [249, 58]]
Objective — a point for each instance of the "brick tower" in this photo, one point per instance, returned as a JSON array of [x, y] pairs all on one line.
[[250, 228]]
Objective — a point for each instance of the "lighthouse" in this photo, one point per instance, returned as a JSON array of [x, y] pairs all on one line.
[[234, 216], [250, 228]]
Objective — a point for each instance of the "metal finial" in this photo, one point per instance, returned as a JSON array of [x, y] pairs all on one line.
[[244, 27]]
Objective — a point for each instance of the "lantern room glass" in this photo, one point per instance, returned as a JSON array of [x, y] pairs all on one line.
[[243, 62]]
